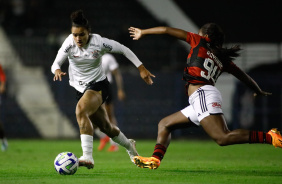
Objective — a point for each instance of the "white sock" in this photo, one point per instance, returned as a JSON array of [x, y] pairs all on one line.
[[87, 145], [113, 143], [122, 140], [99, 134]]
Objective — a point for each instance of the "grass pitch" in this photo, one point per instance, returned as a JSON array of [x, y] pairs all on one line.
[[186, 161]]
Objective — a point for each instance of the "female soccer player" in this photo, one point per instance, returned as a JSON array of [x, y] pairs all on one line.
[[84, 51], [206, 61]]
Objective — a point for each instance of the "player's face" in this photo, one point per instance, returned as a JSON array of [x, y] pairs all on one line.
[[80, 36]]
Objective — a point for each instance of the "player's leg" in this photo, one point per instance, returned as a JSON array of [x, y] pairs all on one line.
[[172, 122], [216, 128], [101, 120], [110, 110], [3, 139], [87, 105], [104, 139]]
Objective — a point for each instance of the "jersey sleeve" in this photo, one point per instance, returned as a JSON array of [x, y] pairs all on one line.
[[193, 39], [62, 55], [115, 47]]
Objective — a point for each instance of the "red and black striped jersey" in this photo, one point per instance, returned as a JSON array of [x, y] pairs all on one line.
[[203, 67]]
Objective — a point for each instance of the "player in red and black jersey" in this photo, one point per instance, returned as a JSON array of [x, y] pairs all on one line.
[[206, 61]]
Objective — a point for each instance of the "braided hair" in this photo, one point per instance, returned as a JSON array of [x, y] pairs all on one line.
[[216, 35]]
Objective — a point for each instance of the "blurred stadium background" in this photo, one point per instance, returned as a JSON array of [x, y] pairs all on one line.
[[31, 32]]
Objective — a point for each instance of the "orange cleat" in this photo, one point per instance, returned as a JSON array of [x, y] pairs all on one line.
[[147, 162], [276, 137], [113, 148], [103, 143]]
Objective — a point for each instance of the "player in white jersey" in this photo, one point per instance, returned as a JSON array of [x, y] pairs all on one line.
[[84, 51], [111, 68]]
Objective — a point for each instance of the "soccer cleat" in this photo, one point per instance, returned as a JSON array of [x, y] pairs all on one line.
[[147, 162], [86, 162], [113, 148], [103, 143], [276, 137], [133, 152], [4, 145]]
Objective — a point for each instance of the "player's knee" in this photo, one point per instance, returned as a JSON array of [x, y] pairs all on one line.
[[221, 141], [164, 124], [80, 111]]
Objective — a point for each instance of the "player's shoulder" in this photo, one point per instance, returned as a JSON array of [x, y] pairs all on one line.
[[95, 37], [68, 44]]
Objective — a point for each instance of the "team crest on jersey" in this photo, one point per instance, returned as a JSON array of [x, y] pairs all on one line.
[[95, 54], [216, 104]]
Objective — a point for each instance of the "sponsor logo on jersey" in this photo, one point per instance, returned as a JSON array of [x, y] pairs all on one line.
[[216, 104], [82, 83], [109, 47], [73, 56], [68, 48]]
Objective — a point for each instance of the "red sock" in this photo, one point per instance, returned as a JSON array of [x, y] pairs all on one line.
[[259, 137], [159, 151]]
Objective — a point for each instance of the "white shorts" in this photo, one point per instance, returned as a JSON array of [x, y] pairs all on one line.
[[203, 102]]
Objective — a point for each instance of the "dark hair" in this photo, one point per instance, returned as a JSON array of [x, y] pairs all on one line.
[[78, 20], [216, 35]]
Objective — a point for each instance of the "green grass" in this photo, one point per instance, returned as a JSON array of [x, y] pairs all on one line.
[[186, 161]]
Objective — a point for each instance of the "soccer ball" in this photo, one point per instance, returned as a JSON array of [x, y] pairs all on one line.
[[66, 163]]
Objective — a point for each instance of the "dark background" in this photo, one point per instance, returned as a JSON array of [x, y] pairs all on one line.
[[37, 34]]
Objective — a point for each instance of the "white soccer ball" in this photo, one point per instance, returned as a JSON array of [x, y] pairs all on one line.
[[66, 163]]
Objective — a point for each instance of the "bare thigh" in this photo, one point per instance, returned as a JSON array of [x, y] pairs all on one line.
[[215, 126]]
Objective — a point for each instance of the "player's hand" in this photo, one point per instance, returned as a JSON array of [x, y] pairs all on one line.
[[262, 93], [58, 75], [136, 33], [145, 74], [121, 95]]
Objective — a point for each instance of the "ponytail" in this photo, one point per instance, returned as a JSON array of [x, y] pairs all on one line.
[[216, 36]]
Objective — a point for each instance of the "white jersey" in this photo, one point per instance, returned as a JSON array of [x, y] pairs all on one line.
[[109, 64], [85, 63]]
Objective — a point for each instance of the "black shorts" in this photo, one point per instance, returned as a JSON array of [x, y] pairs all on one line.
[[102, 86], [110, 97]]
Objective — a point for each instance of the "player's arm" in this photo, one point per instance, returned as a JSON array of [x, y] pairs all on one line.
[[137, 33], [59, 60], [56, 67], [115, 47], [119, 81], [249, 81]]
